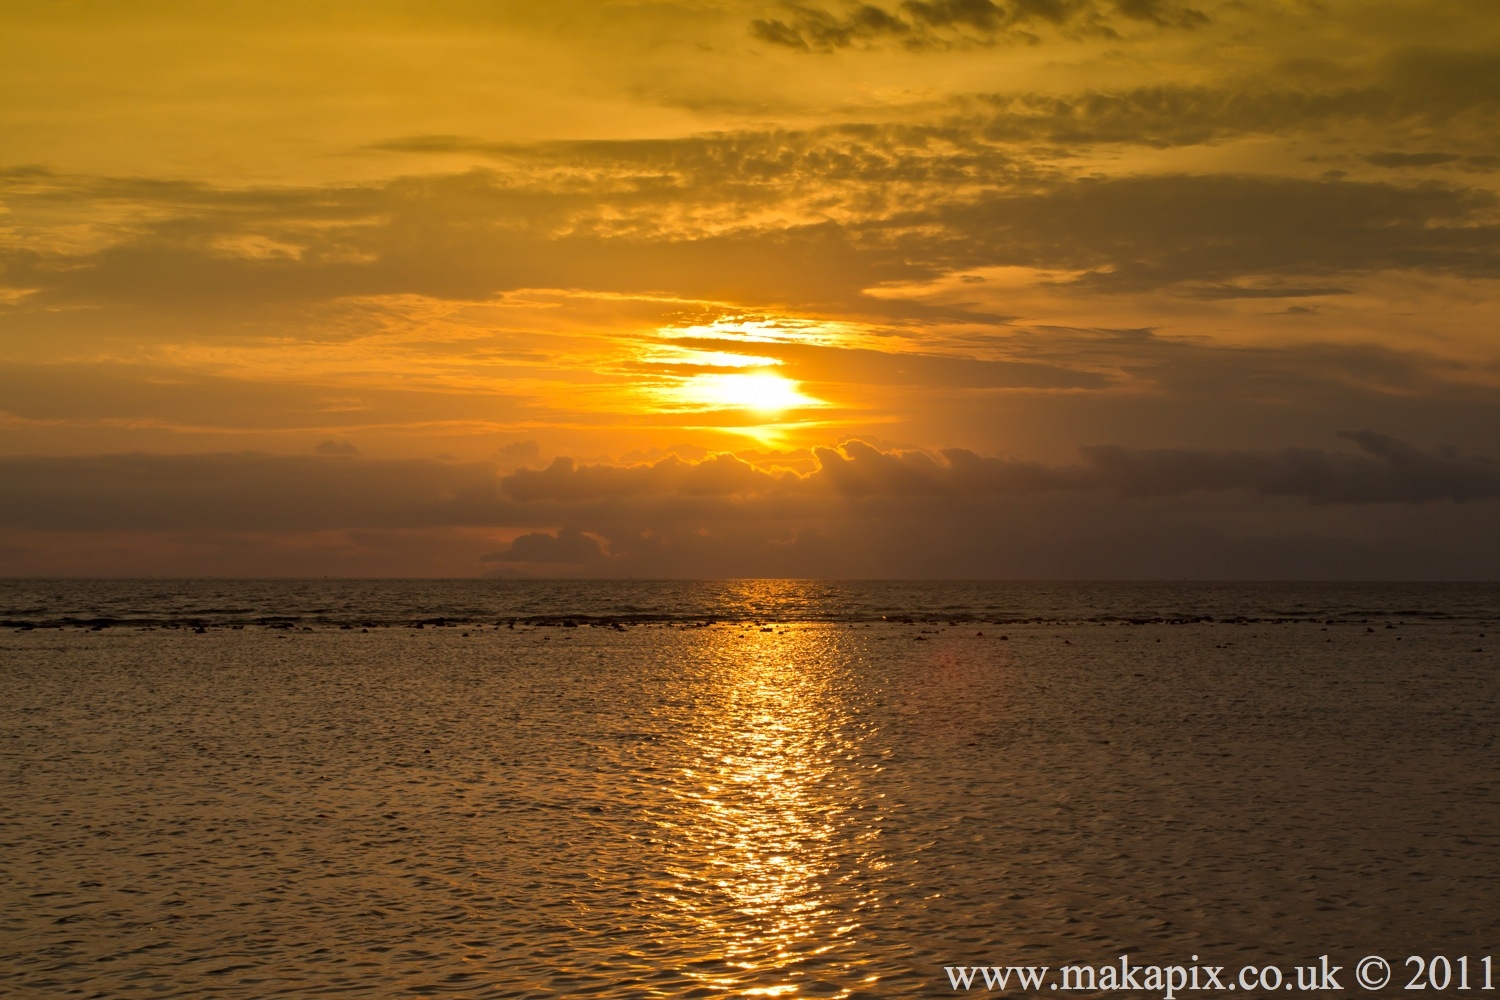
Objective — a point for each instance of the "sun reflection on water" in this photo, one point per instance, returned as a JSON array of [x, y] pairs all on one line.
[[759, 865]]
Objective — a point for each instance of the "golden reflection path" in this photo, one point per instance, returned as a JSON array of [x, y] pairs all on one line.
[[765, 865]]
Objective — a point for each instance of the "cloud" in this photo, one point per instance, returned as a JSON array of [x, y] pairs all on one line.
[[517, 453], [1445, 79], [1162, 13], [1384, 470], [857, 469], [1383, 507], [337, 448], [1153, 232], [888, 214], [1166, 115], [568, 546], [248, 492], [982, 15], [1025, 224], [943, 24], [868, 367], [815, 29], [1391, 159], [564, 480], [243, 492], [1274, 291]]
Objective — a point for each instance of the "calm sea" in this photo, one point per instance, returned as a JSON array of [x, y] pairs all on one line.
[[479, 602], [756, 788]]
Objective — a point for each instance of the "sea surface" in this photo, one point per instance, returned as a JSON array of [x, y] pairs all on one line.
[[250, 789], [282, 603]]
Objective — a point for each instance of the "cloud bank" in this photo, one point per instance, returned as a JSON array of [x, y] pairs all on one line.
[[860, 510], [1384, 470]]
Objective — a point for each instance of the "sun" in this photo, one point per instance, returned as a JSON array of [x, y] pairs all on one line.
[[762, 392]]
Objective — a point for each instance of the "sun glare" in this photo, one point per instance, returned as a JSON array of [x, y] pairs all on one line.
[[762, 392]]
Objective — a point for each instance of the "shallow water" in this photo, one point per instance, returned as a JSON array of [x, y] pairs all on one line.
[[816, 809]]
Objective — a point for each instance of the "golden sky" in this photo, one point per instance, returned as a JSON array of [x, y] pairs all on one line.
[[720, 288]]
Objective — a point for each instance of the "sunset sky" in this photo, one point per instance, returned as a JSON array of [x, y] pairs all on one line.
[[709, 288]]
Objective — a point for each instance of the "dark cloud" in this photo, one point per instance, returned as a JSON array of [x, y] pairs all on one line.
[[1410, 93], [1162, 13], [1440, 81], [1390, 159], [809, 28], [564, 480], [569, 546], [981, 15], [814, 29], [243, 492], [262, 492], [1384, 470], [857, 469], [778, 32], [337, 448], [863, 510], [940, 24]]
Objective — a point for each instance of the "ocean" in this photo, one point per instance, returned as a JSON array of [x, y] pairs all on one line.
[[745, 788]]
